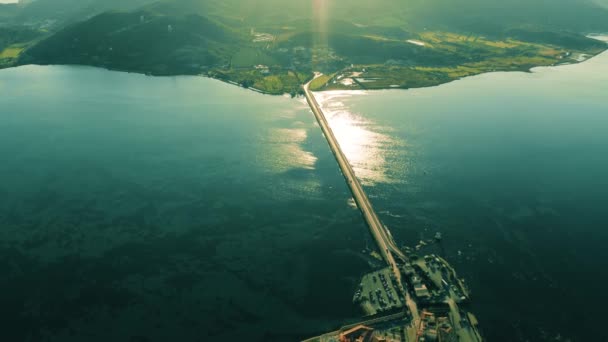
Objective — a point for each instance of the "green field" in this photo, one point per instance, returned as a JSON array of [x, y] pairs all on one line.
[[320, 82], [11, 52]]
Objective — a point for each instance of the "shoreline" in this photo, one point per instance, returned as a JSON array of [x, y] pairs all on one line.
[[528, 71], [599, 37]]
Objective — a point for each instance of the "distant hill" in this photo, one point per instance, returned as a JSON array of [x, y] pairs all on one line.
[[58, 13], [489, 16], [483, 16], [478, 15], [140, 41], [8, 10]]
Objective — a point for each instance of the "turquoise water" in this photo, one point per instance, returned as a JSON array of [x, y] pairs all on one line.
[[512, 169], [135, 208]]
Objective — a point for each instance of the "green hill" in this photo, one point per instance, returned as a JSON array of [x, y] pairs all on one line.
[[139, 41], [478, 15], [275, 45], [58, 13]]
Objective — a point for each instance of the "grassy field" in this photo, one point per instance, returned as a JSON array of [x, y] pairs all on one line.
[[10, 55], [276, 82], [11, 52], [320, 82]]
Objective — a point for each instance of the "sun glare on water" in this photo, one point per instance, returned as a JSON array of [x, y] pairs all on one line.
[[361, 140]]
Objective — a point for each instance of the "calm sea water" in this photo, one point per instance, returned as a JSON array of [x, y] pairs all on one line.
[[135, 208], [512, 168], [152, 209]]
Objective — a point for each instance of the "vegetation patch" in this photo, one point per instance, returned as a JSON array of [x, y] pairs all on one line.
[[11, 52], [320, 82], [250, 57]]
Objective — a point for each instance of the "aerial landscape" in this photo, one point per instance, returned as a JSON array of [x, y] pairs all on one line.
[[319, 171]]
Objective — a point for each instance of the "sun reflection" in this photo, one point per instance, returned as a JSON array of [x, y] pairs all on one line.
[[360, 139], [284, 150], [320, 12]]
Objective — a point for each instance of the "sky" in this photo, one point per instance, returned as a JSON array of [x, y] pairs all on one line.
[[8, 1]]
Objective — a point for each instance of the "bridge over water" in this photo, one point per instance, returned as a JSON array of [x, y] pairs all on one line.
[[388, 248]]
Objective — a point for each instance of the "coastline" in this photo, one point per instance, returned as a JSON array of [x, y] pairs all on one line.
[[526, 69], [532, 70]]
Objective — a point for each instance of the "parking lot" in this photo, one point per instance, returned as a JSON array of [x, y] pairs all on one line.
[[377, 292]]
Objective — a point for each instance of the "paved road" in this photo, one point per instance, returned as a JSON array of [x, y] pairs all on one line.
[[369, 322], [379, 232]]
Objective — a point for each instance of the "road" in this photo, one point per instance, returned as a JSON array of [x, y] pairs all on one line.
[[381, 235], [373, 321]]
